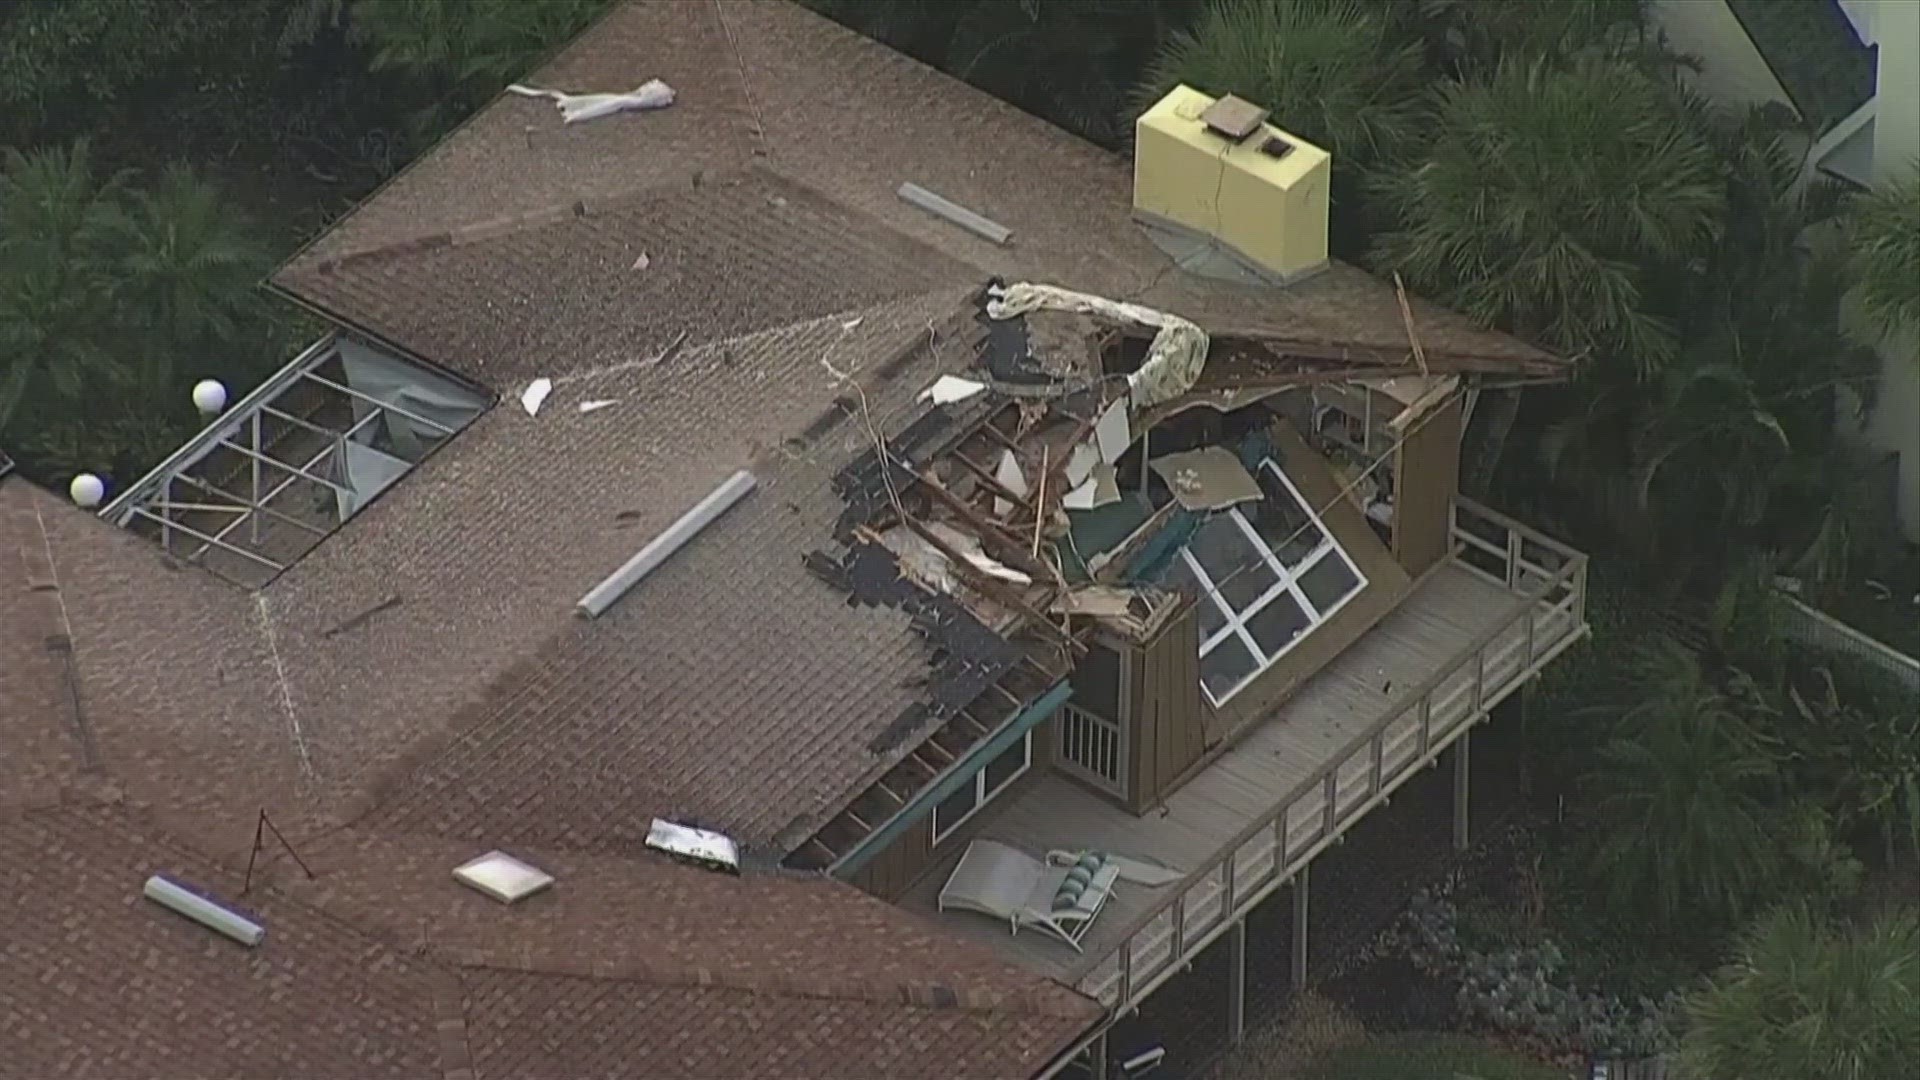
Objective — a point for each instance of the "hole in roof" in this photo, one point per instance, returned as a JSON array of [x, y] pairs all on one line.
[[282, 468], [502, 877]]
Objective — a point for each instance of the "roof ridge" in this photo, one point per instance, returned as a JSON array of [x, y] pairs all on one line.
[[918, 994], [558, 213], [45, 610]]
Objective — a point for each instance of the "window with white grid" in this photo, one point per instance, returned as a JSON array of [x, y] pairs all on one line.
[[1268, 573]]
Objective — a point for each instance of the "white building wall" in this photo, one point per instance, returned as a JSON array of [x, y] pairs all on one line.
[[1895, 27]]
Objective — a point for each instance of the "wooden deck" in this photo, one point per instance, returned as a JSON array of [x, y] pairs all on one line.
[[1462, 640]]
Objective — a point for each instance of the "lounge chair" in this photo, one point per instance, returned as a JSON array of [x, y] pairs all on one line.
[[1007, 883]]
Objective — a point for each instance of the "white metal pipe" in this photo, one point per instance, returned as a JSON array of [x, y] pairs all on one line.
[[952, 211], [663, 546], [214, 917]]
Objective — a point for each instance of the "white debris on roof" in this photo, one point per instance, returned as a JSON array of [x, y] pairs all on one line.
[[951, 388], [1009, 476], [1207, 479], [704, 846], [577, 108], [1174, 359], [1112, 433], [1080, 464], [1100, 488], [597, 404], [970, 549], [535, 395]]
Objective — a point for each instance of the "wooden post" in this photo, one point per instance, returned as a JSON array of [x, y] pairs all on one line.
[[1237, 982], [1462, 755], [1300, 928], [1097, 1057]]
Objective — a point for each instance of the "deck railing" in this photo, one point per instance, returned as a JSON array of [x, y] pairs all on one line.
[[1548, 615], [1092, 748]]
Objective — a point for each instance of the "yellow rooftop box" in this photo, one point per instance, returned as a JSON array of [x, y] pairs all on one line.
[[1216, 168]]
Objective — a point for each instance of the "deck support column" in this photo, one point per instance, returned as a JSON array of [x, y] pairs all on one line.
[[1300, 928], [1462, 757], [1097, 1057], [1237, 982]]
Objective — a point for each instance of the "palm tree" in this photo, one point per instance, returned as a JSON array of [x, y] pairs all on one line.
[[464, 42], [1684, 828], [1729, 445], [187, 267], [55, 220], [1550, 200], [1481, 34], [1885, 238], [1810, 1000], [1339, 73]]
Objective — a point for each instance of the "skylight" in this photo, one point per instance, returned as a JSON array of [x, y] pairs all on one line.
[[271, 476], [503, 877], [1268, 573]]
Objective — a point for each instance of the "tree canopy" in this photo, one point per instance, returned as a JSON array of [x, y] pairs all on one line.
[[1809, 998]]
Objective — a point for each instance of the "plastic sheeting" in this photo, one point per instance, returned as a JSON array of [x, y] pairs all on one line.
[[1174, 359], [365, 472], [577, 108], [408, 387]]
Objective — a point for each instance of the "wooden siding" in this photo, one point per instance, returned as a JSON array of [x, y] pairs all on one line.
[[888, 874], [1169, 714], [1427, 474], [899, 864], [1440, 621]]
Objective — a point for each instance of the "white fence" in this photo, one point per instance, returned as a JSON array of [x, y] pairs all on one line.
[[1809, 626]]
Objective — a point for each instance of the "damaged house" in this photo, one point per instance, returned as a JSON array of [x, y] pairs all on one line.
[[753, 586]]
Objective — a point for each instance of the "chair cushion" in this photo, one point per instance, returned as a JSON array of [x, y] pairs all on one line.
[[1091, 862], [1069, 893]]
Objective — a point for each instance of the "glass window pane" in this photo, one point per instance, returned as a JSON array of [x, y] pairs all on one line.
[[1282, 521], [1207, 610], [1239, 570], [951, 809], [1328, 582], [1011, 763], [1222, 669], [1275, 626]]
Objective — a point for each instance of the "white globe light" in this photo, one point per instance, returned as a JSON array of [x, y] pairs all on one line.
[[87, 490], [209, 396]]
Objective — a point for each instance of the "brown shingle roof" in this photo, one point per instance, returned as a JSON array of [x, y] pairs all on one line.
[[96, 982], [557, 294], [178, 694], [731, 685], [382, 965], [847, 116]]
